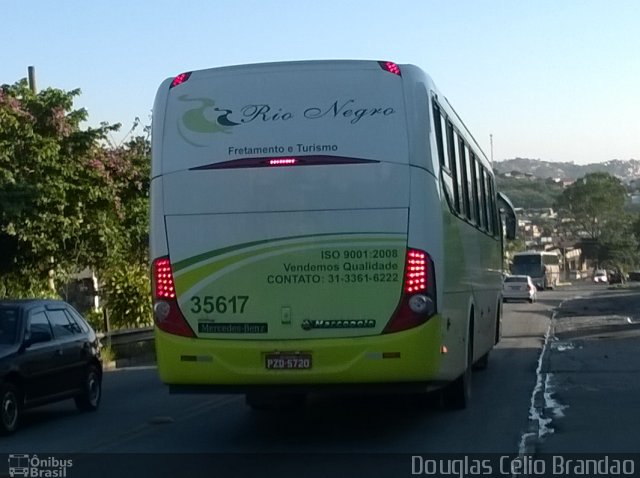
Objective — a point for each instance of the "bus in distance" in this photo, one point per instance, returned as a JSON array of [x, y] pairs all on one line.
[[543, 267], [321, 225]]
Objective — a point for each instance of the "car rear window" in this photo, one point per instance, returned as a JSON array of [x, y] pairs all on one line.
[[516, 279]]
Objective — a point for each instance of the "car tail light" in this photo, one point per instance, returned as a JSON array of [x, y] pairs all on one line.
[[166, 312], [418, 300]]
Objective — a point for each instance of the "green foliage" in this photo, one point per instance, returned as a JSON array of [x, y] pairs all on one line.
[[619, 244], [595, 202], [45, 184], [107, 354], [96, 319], [529, 192], [70, 200], [128, 296]]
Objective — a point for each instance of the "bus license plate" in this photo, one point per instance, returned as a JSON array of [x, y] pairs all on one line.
[[288, 361]]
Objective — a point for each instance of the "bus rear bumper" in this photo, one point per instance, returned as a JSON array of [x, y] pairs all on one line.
[[411, 357], [329, 388]]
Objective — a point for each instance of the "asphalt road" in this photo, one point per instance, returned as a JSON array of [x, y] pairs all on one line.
[[591, 372], [549, 388]]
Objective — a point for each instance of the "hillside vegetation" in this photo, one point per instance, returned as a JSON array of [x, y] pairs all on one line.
[[529, 192], [625, 170]]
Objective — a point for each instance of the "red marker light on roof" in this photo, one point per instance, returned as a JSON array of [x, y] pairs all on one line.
[[282, 161], [391, 67], [181, 78]]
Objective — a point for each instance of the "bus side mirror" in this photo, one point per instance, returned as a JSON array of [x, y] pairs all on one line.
[[507, 216]]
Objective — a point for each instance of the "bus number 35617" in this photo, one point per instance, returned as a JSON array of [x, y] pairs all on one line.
[[221, 304]]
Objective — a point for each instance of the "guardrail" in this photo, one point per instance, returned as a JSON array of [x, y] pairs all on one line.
[[130, 347], [119, 337]]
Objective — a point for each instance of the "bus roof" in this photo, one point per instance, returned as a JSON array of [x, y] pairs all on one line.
[[348, 108]]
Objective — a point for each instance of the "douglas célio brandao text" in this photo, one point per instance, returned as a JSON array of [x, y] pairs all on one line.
[[510, 465]]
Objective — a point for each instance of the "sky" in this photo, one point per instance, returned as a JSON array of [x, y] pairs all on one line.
[[556, 80]]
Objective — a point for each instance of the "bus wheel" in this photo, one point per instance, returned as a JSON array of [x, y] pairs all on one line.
[[482, 363], [457, 395], [261, 401]]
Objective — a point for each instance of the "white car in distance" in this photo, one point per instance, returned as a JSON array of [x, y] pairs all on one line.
[[519, 287], [600, 276]]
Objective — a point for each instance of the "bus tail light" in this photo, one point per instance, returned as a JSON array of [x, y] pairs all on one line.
[[181, 78], [166, 313], [391, 67], [418, 301]]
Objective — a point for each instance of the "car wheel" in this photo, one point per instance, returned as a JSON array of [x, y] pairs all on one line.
[[11, 408], [89, 399]]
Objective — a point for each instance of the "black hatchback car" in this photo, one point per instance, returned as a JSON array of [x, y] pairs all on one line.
[[48, 353]]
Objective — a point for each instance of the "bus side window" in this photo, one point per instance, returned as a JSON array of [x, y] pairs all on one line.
[[445, 143], [464, 178], [493, 207], [438, 130], [452, 140], [482, 196], [486, 201], [475, 197]]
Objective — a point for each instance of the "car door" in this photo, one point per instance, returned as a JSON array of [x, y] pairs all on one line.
[[41, 360], [71, 342]]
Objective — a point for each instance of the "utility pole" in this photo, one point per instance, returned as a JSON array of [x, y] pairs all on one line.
[[32, 78], [32, 85]]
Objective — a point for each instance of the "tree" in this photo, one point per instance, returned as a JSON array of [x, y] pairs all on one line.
[[619, 245], [45, 186], [594, 202], [69, 199]]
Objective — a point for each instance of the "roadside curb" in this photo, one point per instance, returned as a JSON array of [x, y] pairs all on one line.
[[538, 419]]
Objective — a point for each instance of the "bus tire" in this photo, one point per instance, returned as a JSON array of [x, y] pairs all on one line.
[[483, 362], [457, 395]]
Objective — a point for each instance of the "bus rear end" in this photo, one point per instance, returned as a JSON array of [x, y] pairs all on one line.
[[279, 230]]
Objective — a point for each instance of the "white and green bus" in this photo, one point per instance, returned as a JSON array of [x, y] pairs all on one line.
[[542, 266], [320, 225]]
